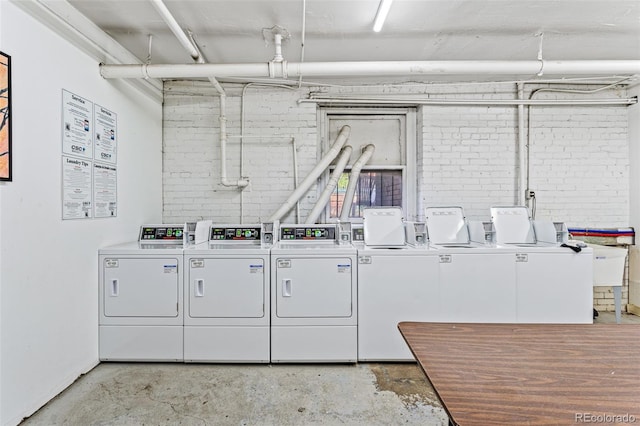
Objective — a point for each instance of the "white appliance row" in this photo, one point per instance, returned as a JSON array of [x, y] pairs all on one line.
[[141, 297], [453, 279], [226, 294], [233, 298], [313, 296]]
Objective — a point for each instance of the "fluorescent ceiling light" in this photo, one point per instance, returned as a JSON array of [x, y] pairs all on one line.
[[381, 15]]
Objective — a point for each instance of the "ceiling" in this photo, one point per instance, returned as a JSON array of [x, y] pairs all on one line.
[[231, 31]]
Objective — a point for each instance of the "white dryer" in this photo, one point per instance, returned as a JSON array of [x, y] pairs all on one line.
[[313, 296], [396, 282], [226, 296], [140, 297]]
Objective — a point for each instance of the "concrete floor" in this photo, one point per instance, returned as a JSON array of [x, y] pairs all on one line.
[[209, 394], [203, 394]]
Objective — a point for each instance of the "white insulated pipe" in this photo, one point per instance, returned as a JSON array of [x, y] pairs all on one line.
[[240, 183], [364, 158], [324, 162], [277, 40], [369, 68], [523, 158], [343, 159], [295, 174], [175, 28], [190, 46], [187, 42], [410, 100]]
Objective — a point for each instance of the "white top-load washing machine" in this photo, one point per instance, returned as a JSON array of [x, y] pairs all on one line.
[[140, 296], [554, 276], [226, 295], [396, 282], [314, 295], [477, 280]]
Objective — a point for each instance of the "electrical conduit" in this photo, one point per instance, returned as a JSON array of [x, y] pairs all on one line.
[[364, 158], [523, 156], [343, 159], [324, 162]]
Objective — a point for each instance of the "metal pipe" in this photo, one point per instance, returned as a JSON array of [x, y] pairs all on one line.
[[523, 160], [63, 18], [478, 102], [324, 162], [295, 175], [343, 159], [367, 152], [190, 46], [371, 68], [304, 31], [175, 28], [241, 182]]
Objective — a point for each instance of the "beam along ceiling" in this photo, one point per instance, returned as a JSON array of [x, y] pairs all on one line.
[[231, 31]]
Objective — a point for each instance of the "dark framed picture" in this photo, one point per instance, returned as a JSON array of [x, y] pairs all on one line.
[[5, 117]]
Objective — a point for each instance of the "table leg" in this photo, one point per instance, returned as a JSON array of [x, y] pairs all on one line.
[[617, 297]]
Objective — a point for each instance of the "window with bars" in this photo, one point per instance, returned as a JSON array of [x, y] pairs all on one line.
[[388, 179], [375, 188]]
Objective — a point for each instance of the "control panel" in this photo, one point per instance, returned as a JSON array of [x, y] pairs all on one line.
[[234, 233], [357, 234], [161, 233], [308, 233]]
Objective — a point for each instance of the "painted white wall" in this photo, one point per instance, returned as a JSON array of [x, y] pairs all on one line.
[[467, 155], [192, 152], [634, 159], [1, 267], [49, 271], [579, 164]]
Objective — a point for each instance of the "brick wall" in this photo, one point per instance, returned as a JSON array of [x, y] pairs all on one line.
[[579, 167], [192, 185], [469, 158], [466, 155]]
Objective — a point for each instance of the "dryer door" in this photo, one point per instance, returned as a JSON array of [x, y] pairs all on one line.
[[226, 288], [314, 287], [143, 287]]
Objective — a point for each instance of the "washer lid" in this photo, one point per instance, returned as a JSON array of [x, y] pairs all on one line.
[[446, 225], [383, 227], [512, 225]]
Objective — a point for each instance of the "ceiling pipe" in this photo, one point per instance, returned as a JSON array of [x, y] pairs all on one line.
[[366, 68], [364, 158], [277, 41], [66, 21], [319, 168], [302, 37], [477, 102], [381, 15], [191, 47], [343, 159], [175, 28]]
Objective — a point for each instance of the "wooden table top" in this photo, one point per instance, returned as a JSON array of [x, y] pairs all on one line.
[[531, 374]]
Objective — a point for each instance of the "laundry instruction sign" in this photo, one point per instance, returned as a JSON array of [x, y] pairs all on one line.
[[89, 159], [77, 120], [76, 188], [105, 135]]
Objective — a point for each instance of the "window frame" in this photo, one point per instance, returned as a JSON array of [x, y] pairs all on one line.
[[408, 169]]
